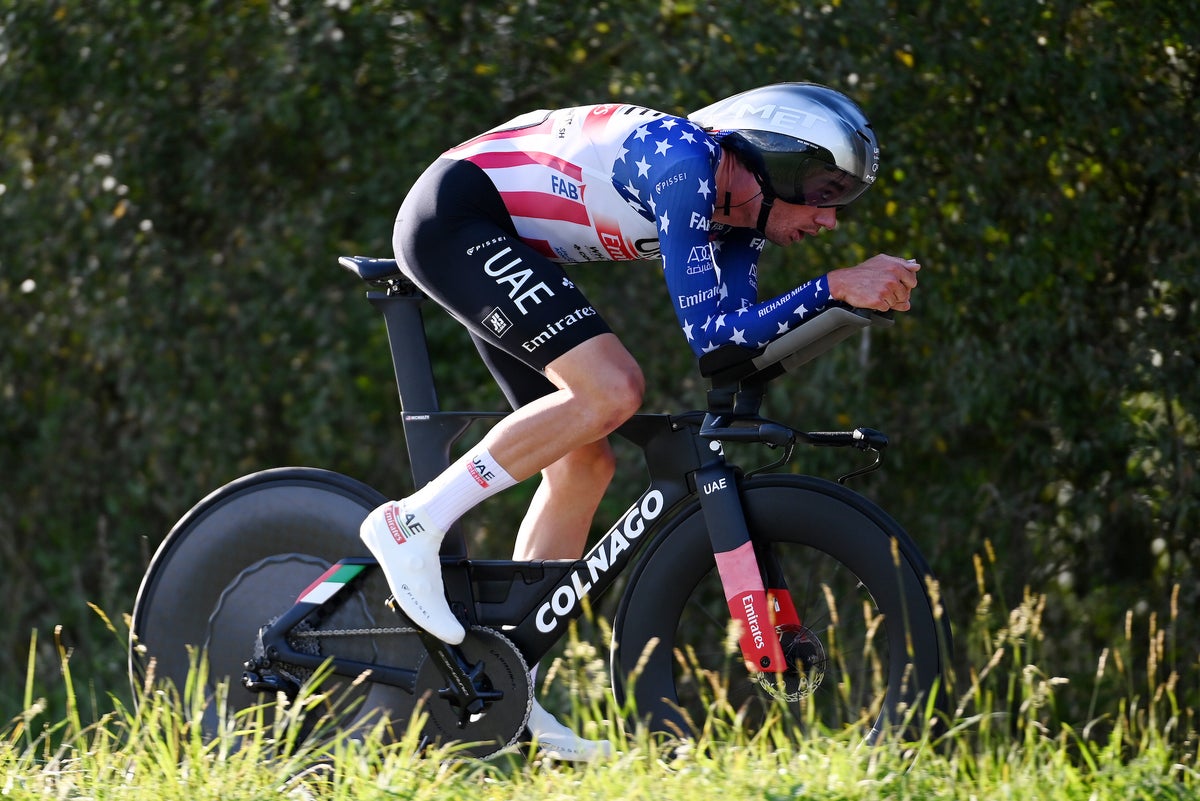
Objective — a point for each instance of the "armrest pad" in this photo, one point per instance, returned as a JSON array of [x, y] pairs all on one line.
[[809, 340], [731, 363], [733, 360]]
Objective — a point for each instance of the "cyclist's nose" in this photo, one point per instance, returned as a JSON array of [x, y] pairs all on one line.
[[827, 217]]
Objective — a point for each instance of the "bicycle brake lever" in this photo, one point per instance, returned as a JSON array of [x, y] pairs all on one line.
[[776, 435], [868, 439]]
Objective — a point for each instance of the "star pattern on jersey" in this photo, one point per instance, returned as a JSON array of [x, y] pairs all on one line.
[[638, 156], [802, 311], [649, 173]]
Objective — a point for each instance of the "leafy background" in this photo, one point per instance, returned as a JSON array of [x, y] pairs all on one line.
[[177, 179]]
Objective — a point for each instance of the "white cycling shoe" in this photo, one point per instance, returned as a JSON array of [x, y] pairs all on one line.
[[556, 741], [406, 548]]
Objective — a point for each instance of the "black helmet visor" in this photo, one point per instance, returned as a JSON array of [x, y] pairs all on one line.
[[803, 173]]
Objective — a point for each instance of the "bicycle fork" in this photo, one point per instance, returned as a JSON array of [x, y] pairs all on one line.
[[758, 599]]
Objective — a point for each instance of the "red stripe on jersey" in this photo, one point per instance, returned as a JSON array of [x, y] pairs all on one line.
[[543, 205], [541, 246], [610, 236], [545, 126], [598, 117], [499, 160]]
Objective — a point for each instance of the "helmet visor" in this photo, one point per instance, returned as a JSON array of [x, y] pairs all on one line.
[[804, 173], [811, 180]]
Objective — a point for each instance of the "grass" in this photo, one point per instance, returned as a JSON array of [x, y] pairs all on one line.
[[1007, 737]]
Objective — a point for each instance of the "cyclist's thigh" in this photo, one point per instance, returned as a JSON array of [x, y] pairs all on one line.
[[520, 383], [456, 241]]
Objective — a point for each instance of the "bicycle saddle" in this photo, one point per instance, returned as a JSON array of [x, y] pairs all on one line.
[[373, 271]]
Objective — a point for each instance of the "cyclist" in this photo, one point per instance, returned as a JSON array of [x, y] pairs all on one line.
[[484, 232]]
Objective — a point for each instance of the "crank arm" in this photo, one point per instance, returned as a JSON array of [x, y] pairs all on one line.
[[463, 690]]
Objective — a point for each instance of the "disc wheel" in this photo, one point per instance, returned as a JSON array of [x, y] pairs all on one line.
[[238, 560], [870, 647]]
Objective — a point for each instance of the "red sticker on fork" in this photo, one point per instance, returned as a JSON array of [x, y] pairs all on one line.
[[749, 605]]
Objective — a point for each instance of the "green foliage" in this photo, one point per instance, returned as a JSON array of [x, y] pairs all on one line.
[[1005, 742], [177, 178]]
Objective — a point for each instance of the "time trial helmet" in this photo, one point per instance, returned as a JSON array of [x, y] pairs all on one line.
[[806, 143]]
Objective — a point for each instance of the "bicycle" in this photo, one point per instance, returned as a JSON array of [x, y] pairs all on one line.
[[830, 600]]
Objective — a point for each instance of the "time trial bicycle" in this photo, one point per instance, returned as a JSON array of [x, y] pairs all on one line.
[[804, 594]]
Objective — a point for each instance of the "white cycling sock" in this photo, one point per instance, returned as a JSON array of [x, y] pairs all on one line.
[[473, 478]]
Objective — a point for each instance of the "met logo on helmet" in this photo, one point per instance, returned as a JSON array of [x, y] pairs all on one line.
[[780, 115]]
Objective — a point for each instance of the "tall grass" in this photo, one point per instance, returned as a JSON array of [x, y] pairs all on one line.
[[1005, 737]]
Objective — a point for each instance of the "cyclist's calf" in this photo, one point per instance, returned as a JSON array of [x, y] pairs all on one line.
[[560, 515]]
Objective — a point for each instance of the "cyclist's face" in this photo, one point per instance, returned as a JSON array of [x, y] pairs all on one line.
[[790, 222]]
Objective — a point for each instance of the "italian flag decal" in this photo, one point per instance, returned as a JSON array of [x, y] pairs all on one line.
[[329, 583]]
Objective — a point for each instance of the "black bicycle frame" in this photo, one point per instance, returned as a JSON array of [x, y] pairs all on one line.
[[542, 616], [533, 602]]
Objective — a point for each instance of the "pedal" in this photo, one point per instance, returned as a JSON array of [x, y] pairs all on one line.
[[461, 691], [464, 689]]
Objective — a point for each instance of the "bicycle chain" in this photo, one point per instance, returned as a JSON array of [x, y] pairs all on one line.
[[298, 635], [306, 634], [316, 633]]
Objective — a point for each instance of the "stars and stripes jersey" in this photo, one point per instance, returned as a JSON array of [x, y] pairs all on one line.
[[621, 182]]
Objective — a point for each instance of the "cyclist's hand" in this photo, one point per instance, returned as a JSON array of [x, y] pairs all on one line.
[[882, 283]]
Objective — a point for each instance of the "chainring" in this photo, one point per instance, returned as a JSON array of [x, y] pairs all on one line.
[[503, 722]]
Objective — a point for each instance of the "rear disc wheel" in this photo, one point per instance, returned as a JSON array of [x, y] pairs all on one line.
[[238, 560]]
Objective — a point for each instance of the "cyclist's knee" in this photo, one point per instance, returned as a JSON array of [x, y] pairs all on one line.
[[593, 464], [625, 391], [618, 385], [605, 380], [612, 401]]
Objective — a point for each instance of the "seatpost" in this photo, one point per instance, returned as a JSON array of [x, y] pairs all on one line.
[[401, 312], [428, 434]]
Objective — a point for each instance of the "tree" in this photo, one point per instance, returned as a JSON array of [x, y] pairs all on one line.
[[176, 179]]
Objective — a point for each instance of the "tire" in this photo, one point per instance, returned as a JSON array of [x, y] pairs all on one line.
[[237, 560], [858, 583]]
